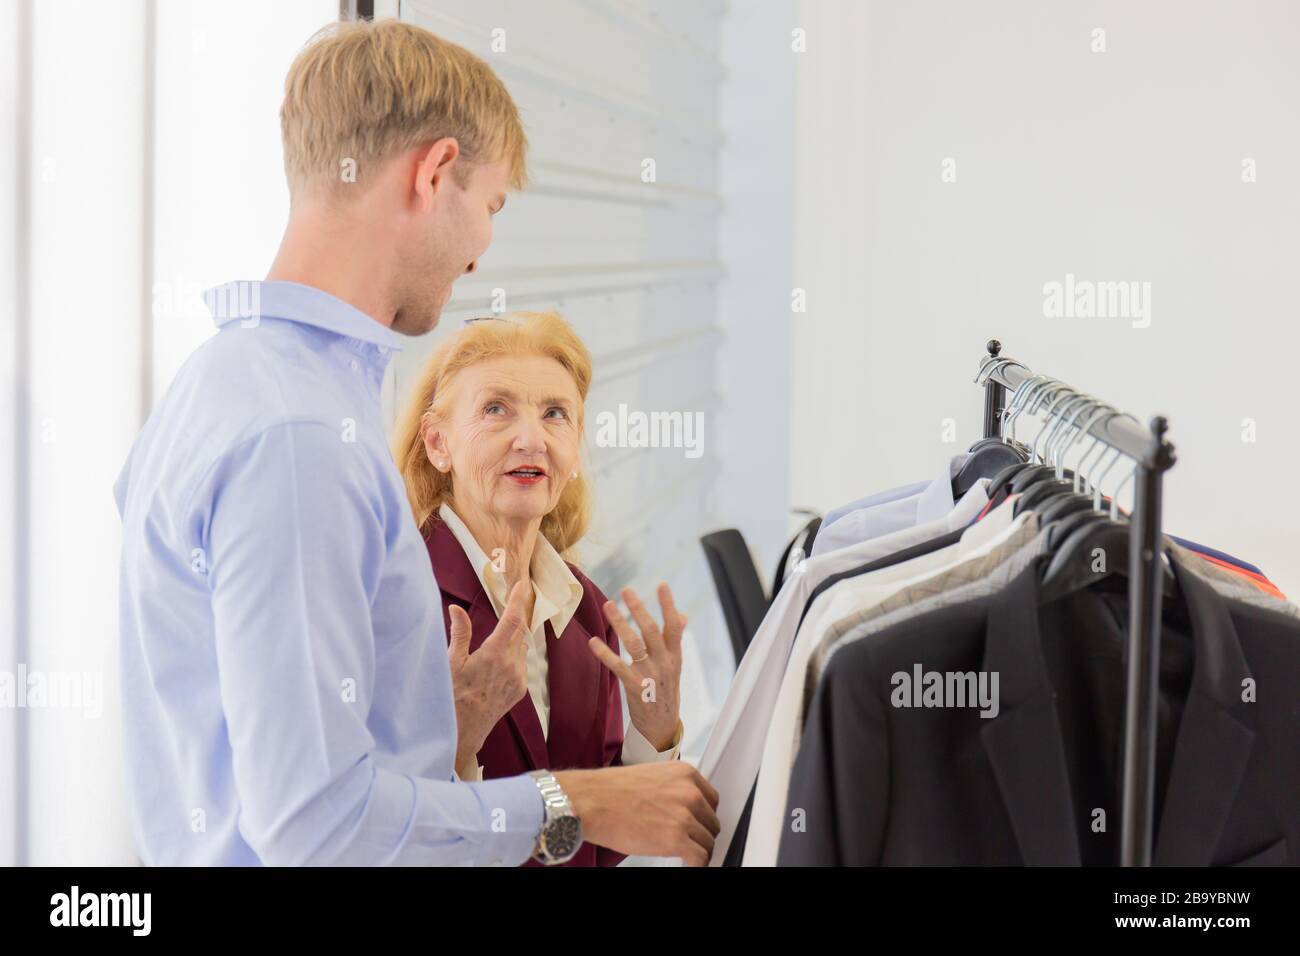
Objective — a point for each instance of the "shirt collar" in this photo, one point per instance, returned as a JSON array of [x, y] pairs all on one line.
[[558, 593], [936, 501], [1003, 522], [970, 506], [249, 300]]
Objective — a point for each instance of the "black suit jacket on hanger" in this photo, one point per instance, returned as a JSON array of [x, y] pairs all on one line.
[[878, 784]]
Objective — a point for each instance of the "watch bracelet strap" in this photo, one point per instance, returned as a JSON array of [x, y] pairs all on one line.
[[555, 802]]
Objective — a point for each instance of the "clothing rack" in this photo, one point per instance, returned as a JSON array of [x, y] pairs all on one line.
[[1153, 456]]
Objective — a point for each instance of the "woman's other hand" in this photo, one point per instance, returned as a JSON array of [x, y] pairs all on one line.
[[490, 681], [652, 678]]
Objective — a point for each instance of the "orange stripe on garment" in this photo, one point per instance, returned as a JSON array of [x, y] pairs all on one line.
[[1261, 582]]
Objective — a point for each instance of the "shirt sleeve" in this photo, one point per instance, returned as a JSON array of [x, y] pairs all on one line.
[[296, 540], [636, 749]]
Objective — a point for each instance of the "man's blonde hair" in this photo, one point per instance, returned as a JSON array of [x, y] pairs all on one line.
[[363, 91]]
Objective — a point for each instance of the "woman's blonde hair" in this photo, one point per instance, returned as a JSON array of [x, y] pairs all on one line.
[[520, 333], [363, 90]]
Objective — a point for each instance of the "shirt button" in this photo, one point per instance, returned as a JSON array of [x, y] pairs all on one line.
[[355, 366]]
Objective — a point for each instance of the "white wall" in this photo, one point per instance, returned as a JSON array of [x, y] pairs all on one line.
[[754, 299], [82, 364], [1116, 165], [220, 196], [14, 71]]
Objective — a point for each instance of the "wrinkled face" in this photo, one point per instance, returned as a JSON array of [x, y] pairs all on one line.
[[511, 439], [445, 242]]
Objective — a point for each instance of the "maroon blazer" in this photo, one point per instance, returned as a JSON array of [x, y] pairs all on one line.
[[586, 718]]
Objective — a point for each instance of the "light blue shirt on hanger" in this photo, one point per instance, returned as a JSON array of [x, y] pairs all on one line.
[[889, 511], [870, 501], [286, 696]]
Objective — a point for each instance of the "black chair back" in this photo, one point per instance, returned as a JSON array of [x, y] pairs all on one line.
[[740, 590]]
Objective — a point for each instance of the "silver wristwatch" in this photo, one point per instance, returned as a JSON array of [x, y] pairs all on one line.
[[561, 833]]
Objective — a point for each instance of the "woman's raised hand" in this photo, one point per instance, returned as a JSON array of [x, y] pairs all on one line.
[[652, 678], [490, 681]]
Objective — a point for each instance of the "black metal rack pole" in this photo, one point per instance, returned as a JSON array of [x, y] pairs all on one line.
[[1146, 578], [995, 398], [1154, 456]]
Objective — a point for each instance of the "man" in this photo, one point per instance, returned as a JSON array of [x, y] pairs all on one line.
[[287, 692]]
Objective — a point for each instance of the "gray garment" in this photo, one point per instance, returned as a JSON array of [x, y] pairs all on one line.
[[1230, 584], [965, 582]]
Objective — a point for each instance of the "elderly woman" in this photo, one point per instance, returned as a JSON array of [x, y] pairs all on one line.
[[490, 448]]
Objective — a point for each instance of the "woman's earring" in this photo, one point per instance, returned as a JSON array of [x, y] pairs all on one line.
[[575, 474], [442, 466]]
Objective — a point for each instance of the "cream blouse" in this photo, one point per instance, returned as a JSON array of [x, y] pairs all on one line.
[[556, 596]]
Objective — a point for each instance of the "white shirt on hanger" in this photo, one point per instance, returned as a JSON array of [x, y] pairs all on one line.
[[839, 607], [731, 756]]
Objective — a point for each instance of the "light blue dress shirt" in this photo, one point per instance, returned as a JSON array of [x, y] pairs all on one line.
[[285, 687], [889, 511], [871, 501]]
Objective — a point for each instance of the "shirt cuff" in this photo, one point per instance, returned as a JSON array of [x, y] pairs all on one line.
[[636, 749], [510, 815]]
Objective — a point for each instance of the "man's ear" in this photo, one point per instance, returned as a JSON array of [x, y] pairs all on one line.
[[433, 169]]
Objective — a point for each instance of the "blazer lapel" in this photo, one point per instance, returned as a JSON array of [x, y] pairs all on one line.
[[457, 579], [1215, 734], [577, 719], [1024, 741]]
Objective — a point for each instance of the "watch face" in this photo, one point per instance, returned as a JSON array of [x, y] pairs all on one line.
[[563, 837]]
